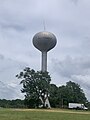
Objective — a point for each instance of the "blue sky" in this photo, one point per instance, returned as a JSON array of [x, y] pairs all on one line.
[[20, 20]]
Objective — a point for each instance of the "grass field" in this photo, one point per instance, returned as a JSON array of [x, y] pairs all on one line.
[[36, 114]]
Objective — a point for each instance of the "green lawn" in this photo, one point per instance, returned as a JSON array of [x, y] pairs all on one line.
[[36, 114]]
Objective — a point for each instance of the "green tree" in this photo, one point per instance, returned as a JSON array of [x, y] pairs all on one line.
[[72, 92], [75, 93], [62, 96], [35, 86], [54, 95]]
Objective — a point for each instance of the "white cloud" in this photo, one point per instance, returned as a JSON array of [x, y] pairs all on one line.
[[9, 91], [77, 70], [84, 80], [9, 85]]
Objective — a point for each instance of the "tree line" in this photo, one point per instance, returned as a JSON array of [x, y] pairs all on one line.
[[18, 103], [39, 92]]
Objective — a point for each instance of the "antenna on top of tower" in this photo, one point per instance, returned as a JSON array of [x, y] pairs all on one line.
[[44, 25]]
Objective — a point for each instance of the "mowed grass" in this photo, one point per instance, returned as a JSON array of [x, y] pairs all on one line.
[[36, 114]]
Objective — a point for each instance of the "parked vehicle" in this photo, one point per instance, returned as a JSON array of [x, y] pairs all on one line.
[[77, 106]]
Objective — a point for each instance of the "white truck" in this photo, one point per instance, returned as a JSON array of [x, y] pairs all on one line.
[[77, 106]]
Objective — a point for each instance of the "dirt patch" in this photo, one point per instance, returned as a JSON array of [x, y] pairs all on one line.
[[54, 110]]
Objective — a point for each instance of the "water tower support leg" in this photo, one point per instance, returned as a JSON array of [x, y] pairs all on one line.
[[44, 61]]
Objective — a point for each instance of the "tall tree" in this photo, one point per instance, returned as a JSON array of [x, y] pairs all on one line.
[[72, 92], [35, 86], [75, 93]]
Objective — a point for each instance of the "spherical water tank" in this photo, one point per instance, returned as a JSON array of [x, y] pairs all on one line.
[[44, 41]]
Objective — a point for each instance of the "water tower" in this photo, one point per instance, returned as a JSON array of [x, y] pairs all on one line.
[[44, 41]]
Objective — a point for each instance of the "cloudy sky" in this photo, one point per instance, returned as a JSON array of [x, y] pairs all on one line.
[[69, 20]]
